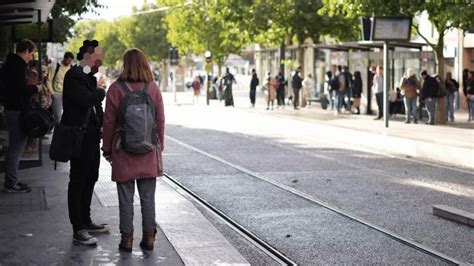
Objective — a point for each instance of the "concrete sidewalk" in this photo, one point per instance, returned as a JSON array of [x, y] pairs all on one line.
[[35, 228], [450, 144]]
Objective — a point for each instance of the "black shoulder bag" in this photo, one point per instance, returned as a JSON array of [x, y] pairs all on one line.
[[67, 141]]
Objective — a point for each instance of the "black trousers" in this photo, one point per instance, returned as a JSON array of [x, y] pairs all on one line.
[[379, 98], [83, 175], [296, 98], [281, 96], [253, 92]]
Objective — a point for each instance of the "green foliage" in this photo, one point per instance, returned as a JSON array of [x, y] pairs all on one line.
[[144, 31], [201, 25]]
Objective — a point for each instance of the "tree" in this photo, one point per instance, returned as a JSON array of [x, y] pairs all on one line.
[[202, 25], [444, 15]]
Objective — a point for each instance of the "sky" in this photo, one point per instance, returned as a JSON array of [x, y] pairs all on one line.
[[114, 9]]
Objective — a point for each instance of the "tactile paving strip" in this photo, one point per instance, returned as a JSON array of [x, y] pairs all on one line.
[[106, 190], [23, 202]]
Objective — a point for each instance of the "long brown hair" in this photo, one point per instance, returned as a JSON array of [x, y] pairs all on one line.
[[135, 67]]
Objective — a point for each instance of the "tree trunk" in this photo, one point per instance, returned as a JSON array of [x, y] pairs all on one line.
[[441, 110], [300, 58]]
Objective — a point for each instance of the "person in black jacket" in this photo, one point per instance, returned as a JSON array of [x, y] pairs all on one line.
[[281, 89], [429, 94], [357, 91], [297, 85], [81, 96], [17, 94], [253, 87]]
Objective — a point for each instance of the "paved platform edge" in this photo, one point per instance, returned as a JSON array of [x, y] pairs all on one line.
[[195, 239], [453, 214]]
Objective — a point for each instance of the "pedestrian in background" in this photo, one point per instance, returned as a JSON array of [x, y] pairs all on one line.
[[347, 89], [229, 80], [377, 87], [330, 88], [341, 87], [196, 88], [308, 85], [470, 94], [297, 85], [82, 102], [465, 73], [253, 87], [357, 91], [452, 87], [270, 92], [55, 83], [281, 89], [410, 86], [289, 89], [429, 95], [32, 78], [17, 93], [130, 168]]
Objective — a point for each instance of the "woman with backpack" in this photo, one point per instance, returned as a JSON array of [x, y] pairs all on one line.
[[410, 86], [133, 137]]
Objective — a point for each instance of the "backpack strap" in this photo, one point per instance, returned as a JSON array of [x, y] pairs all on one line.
[[55, 74], [145, 87], [125, 87]]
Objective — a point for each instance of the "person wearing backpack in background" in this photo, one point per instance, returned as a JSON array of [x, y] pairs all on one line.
[[134, 149], [55, 83], [429, 95], [452, 86], [280, 89], [332, 86], [17, 93], [409, 86]]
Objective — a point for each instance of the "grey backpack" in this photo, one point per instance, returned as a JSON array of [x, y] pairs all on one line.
[[137, 121]]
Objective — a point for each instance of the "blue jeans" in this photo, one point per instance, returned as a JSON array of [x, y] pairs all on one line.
[[16, 145], [410, 108], [339, 99], [331, 99], [450, 106], [471, 110], [431, 104]]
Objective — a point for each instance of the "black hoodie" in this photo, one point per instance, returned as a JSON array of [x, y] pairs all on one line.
[[17, 93]]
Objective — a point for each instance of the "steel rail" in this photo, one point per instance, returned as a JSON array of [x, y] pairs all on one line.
[[252, 238], [406, 241]]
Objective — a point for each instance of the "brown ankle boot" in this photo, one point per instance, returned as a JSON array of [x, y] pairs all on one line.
[[126, 242], [148, 240]]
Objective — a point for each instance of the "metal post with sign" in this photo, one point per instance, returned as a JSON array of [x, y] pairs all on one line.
[[388, 29], [208, 56], [174, 62]]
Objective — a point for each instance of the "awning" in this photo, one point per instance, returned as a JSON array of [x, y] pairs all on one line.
[[13, 12], [368, 45]]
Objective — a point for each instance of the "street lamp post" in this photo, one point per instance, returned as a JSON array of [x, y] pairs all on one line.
[[208, 56]]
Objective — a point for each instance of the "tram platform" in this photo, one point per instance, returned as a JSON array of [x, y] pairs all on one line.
[[35, 228]]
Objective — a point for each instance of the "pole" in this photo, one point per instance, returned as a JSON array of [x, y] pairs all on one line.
[[40, 54], [207, 77], [385, 84], [174, 84]]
